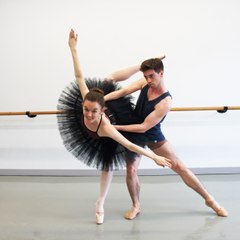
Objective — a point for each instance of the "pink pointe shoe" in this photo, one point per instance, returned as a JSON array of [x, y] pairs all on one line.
[[99, 218]]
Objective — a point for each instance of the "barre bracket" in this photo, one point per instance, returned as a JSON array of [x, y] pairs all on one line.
[[28, 113], [225, 108]]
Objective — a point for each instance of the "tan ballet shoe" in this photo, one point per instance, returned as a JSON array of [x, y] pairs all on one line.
[[132, 213], [220, 211]]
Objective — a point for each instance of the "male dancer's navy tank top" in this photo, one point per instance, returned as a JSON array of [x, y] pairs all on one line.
[[144, 107]]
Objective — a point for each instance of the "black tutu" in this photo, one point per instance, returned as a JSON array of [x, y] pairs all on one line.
[[103, 153]]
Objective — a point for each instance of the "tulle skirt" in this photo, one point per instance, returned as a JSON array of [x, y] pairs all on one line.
[[103, 153]]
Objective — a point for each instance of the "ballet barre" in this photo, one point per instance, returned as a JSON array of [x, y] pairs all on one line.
[[221, 109], [32, 114]]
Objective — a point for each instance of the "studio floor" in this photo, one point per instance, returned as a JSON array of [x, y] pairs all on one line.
[[62, 208]]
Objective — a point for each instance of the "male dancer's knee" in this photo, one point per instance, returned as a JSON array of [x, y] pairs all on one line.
[[131, 170], [179, 167]]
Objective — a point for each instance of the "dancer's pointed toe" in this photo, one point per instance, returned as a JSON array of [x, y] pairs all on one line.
[[220, 211], [99, 218]]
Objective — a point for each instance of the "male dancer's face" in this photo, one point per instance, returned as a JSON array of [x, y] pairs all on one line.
[[153, 78]]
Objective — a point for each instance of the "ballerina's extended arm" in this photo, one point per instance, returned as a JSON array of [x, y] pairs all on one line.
[[106, 129], [125, 73], [72, 42]]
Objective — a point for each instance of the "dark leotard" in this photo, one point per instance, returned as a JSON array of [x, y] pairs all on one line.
[[92, 134]]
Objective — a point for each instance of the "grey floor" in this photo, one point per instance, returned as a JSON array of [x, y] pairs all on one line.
[[62, 208]]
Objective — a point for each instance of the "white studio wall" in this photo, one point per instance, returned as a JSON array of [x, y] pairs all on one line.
[[201, 42]]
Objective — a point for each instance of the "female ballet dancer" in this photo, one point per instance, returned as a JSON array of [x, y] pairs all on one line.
[[86, 127]]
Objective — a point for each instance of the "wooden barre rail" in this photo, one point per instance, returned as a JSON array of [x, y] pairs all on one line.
[[221, 109], [31, 113]]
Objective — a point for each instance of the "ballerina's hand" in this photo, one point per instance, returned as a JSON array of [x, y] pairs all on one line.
[[161, 57], [162, 161], [72, 41]]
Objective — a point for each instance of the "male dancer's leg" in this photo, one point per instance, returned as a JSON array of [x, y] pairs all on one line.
[[133, 185], [189, 177]]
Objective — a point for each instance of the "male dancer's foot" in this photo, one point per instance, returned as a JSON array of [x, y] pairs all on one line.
[[132, 212], [220, 211]]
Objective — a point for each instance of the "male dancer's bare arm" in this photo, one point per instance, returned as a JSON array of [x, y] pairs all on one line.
[[161, 109]]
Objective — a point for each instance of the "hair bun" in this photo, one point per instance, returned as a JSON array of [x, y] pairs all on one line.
[[98, 90]]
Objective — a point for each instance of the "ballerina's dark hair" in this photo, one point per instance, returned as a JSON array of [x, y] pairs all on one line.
[[95, 95]]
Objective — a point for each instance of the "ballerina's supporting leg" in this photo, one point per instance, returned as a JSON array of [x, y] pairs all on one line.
[[105, 181]]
